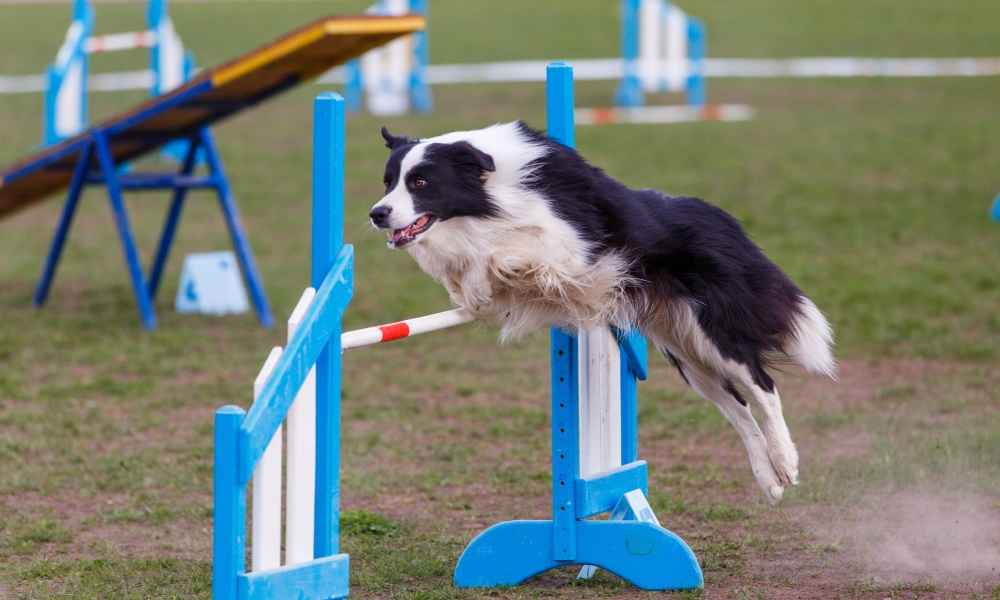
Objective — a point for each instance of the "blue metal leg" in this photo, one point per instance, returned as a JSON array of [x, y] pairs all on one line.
[[173, 216], [62, 230], [125, 231], [240, 243]]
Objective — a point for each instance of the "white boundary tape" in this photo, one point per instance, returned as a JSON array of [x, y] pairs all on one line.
[[608, 68]]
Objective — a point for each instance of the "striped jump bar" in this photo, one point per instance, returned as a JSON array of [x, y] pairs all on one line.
[[390, 331], [403, 329], [113, 42]]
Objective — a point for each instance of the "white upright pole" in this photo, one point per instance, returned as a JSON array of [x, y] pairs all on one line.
[[301, 472], [266, 520]]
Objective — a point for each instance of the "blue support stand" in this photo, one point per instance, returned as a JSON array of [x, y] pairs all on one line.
[[109, 175], [995, 213], [637, 548]]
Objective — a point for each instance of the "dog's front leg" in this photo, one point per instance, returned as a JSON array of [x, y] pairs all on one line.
[[471, 290]]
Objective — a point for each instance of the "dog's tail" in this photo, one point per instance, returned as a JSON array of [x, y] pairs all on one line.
[[810, 343]]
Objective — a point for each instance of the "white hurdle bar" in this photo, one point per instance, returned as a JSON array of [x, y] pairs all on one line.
[[300, 476]]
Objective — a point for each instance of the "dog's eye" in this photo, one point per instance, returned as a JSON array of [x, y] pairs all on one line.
[[419, 182]]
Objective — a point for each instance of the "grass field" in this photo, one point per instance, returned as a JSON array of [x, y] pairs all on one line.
[[872, 194]]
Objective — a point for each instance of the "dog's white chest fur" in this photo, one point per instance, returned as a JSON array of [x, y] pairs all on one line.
[[523, 272]]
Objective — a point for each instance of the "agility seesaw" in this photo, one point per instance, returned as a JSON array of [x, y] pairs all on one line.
[[595, 465], [94, 156]]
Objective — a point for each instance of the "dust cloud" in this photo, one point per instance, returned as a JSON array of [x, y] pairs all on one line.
[[923, 535]]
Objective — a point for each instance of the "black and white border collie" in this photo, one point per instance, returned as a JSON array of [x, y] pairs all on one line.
[[521, 230]]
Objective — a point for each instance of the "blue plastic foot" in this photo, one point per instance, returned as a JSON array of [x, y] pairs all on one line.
[[646, 555]]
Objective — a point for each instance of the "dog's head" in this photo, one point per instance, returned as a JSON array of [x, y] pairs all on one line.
[[427, 182]]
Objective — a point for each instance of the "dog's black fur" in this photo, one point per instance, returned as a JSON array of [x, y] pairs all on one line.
[[684, 248]]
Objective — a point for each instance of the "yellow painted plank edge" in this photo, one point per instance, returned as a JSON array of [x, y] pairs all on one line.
[[370, 26]]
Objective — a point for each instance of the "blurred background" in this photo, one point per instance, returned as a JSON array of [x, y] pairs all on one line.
[[873, 193]]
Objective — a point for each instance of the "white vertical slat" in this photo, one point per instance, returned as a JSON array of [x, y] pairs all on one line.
[[676, 50], [600, 425], [301, 472], [649, 44], [68, 99], [171, 63], [266, 523], [386, 70]]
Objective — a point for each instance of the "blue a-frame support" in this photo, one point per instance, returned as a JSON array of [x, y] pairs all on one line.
[[96, 166], [636, 549]]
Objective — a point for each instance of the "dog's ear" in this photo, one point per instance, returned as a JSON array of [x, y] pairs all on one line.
[[476, 157], [392, 142]]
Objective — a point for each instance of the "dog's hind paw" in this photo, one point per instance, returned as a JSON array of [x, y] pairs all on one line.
[[785, 461]]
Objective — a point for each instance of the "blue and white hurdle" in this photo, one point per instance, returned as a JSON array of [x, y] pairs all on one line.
[[595, 465], [595, 468], [66, 78], [392, 79], [663, 50]]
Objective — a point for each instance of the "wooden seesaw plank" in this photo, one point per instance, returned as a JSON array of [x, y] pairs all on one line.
[[212, 95]]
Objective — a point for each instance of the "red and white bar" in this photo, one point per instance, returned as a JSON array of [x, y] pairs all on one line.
[[113, 42], [663, 114], [403, 329]]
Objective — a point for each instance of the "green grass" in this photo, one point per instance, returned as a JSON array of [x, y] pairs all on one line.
[[872, 194]]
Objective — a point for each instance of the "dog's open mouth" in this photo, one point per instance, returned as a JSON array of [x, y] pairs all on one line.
[[401, 237]]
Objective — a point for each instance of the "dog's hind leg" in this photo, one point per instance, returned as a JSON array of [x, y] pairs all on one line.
[[780, 448], [738, 414]]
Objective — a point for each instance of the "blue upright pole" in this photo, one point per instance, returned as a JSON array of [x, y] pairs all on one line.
[[420, 91], [327, 242], [696, 93], [629, 91], [229, 511], [565, 390]]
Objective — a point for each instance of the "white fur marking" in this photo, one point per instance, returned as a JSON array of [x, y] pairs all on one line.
[[399, 198]]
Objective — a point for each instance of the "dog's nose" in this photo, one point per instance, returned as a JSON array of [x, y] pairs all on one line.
[[380, 215]]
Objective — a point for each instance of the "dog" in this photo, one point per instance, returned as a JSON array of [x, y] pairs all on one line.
[[522, 231]]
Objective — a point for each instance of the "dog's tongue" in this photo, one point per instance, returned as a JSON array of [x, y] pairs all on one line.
[[409, 230]]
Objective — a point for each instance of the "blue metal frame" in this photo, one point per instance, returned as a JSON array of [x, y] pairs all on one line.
[[640, 552], [240, 438], [96, 144]]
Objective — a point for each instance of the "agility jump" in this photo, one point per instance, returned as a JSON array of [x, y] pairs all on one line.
[[595, 465], [94, 156], [392, 79], [663, 50], [66, 78]]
